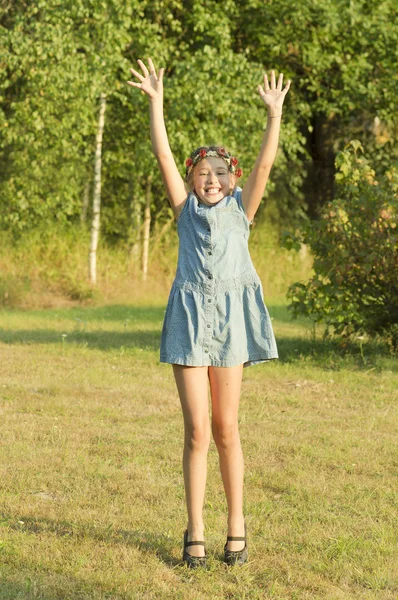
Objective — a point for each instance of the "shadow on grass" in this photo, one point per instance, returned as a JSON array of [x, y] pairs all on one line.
[[334, 354], [324, 353], [156, 544]]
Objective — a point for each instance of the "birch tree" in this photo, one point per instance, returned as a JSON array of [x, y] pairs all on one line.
[[95, 224]]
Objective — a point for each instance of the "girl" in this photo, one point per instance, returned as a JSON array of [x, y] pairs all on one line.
[[216, 322]]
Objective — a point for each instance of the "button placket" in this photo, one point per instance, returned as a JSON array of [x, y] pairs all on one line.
[[209, 294]]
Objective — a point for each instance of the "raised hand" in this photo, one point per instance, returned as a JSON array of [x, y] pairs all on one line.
[[150, 82], [273, 96]]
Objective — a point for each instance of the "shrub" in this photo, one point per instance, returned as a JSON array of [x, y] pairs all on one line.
[[354, 289]]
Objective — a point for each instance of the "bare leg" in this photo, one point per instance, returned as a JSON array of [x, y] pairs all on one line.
[[225, 386], [192, 385]]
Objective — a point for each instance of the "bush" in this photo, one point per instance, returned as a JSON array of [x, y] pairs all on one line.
[[354, 289]]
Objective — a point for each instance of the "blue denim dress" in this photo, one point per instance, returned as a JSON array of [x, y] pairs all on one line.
[[216, 313]]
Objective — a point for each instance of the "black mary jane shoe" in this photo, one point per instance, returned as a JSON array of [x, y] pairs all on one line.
[[236, 557], [193, 562]]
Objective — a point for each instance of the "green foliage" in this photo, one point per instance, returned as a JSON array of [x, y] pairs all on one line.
[[341, 58], [58, 58], [355, 246]]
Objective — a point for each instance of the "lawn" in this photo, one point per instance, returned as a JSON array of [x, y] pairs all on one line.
[[91, 489]]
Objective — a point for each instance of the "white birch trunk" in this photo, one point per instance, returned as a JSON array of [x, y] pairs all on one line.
[[147, 223], [95, 224]]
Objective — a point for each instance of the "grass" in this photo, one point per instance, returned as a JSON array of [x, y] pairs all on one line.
[[92, 502]]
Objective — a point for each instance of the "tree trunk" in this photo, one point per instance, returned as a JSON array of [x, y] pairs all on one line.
[[85, 203], [134, 237], [147, 223], [319, 184], [95, 224]]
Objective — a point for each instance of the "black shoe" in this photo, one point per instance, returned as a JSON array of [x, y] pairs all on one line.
[[236, 557], [193, 562]]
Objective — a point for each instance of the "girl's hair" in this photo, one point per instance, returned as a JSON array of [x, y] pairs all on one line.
[[203, 152]]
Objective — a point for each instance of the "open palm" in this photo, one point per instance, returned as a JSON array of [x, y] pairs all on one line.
[[151, 83], [272, 93]]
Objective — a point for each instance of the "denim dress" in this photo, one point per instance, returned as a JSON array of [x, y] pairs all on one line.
[[216, 313]]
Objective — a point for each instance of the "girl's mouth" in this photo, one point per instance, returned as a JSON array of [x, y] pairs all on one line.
[[212, 191]]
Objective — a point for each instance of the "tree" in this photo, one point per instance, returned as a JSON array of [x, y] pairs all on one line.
[[354, 289], [342, 61], [95, 225]]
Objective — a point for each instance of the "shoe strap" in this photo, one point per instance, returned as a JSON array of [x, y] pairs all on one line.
[[195, 544], [237, 539]]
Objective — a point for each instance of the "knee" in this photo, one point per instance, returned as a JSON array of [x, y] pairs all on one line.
[[197, 437], [225, 434]]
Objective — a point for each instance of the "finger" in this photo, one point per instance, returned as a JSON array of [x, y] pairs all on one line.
[[134, 84], [161, 72], [287, 87], [136, 74], [273, 80], [143, 68], [151, 67], [266, 84], [261, 91], [280, 81]]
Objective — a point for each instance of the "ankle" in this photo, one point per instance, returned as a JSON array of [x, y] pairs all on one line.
[[195, 531], [236, 525]]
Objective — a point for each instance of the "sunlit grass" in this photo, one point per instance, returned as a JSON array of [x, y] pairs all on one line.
[[92, 500]]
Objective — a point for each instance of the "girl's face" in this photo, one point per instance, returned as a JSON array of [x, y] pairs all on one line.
[[212, 180]]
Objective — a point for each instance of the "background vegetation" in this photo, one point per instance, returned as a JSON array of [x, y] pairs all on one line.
[[58, 60], [91, 494]]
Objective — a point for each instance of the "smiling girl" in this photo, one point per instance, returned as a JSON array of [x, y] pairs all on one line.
[[216, 321]]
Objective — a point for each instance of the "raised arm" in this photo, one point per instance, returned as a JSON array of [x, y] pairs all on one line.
[[273, 97], [151, 83]]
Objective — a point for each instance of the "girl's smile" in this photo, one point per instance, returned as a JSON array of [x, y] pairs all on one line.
[[212, 180]]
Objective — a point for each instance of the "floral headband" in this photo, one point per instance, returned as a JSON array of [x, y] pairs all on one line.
[[219, 151]]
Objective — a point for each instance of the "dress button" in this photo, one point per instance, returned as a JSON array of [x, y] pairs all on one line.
[[208, 326], [210, 276], [206, 350], [208, 229], [209, 300], [209, 253]]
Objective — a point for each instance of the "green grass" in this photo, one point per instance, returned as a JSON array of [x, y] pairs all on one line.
[[92, 500]]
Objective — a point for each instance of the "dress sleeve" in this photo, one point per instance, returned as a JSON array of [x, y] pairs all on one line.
[[237, 194]]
